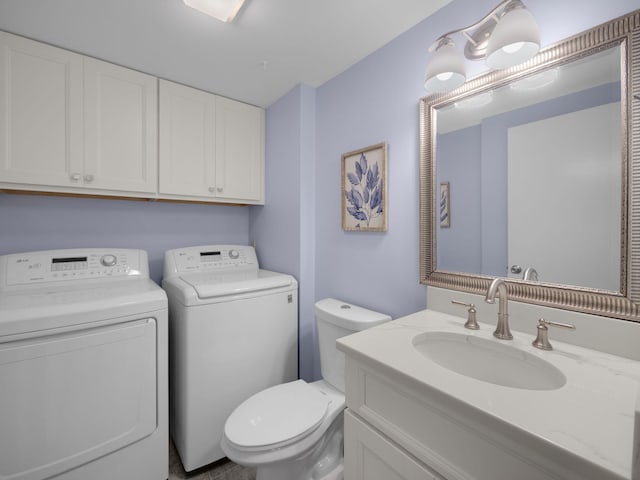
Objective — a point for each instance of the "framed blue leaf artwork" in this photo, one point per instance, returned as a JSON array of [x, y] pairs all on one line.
[[364, 189]]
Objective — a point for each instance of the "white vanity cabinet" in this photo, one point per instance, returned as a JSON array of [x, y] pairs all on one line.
[[211, 148], [73, 124], [406, 434], [411, 416]]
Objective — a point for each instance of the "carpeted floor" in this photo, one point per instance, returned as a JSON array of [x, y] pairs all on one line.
[[221, 470]]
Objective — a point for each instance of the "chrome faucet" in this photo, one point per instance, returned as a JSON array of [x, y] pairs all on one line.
[[502, 328], [530, 274]]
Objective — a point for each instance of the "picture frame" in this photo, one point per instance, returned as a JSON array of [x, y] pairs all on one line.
[[364, 189], [445, 208]]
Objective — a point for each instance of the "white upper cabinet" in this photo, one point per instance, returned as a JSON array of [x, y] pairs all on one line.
[[211, 148], [121, 128], [40, 113], [187, 141], [239, 150], [74, 123]]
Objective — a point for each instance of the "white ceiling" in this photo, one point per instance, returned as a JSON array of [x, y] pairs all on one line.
[[271, 46]]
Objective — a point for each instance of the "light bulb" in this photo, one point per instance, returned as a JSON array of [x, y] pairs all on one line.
[[444, 76], [513, 47]]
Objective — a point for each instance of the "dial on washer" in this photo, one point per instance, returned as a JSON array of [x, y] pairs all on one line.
[[108, 260]]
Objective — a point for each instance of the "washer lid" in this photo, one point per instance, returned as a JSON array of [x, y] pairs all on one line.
[[208, 285], [277, 415]]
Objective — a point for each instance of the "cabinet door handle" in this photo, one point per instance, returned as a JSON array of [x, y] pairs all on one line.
[[88, 178], [74, 177], [220, 189], [212, 189]]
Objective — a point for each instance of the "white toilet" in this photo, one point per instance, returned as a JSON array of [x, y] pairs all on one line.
[[294, 431]]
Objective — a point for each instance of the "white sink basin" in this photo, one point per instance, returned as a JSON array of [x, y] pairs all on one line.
[[489, 361]]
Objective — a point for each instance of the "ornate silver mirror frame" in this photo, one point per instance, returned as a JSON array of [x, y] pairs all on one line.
[[625, 32]]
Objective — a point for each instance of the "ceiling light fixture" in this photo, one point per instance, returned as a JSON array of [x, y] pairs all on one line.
[[223, 10], [508, 35]]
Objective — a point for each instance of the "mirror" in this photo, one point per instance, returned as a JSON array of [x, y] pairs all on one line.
[[529, 174], [546, 155]]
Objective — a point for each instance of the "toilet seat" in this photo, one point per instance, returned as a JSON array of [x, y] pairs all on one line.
[[277, 417]]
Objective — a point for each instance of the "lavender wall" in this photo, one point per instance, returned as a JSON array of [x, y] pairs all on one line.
[[274, 227], [33, 222], [283, 229], [458, 246], [376, 100]]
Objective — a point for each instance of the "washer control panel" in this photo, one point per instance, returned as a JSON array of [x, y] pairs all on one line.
[[210, 258], [65, 265]]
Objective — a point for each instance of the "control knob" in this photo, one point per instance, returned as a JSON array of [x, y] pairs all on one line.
[[108, 260], [234, 254]]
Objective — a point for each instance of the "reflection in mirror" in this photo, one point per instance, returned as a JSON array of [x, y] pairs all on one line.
[[535, 174]]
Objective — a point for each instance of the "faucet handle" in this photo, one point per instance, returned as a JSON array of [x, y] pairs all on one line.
[[471, 322], [542, 338]]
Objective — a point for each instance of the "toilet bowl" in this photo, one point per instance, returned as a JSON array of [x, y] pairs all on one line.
[[294, 431]]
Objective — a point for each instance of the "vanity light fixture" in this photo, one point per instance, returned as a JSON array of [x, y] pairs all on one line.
[[446, 70], [508, 35], [223, 10]]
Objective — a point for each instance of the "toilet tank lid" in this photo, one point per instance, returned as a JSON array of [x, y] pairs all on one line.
[[349, 316]]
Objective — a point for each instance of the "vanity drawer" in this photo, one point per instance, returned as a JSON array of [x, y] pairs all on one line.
[[455, 445], [369, 455]]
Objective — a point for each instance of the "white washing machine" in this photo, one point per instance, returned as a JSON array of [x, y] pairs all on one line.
[[233, 331], [83, 367]]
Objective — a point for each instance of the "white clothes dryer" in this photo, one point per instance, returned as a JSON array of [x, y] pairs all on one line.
[[233, 331], [83, 367]]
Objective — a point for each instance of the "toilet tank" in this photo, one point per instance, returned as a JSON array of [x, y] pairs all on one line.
[[336, 319]]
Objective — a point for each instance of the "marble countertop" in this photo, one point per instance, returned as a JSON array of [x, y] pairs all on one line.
[[591, 418]]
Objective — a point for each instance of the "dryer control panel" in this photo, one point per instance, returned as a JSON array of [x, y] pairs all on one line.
[[210, 258], [66, 265]]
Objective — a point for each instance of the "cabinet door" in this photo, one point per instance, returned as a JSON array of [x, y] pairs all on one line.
[[40, 113], [121, 128], [369, 455], [187, 141], [239, 150]]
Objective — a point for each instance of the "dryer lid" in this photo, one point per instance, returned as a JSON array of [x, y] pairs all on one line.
[[280, 414], [61, 306]]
